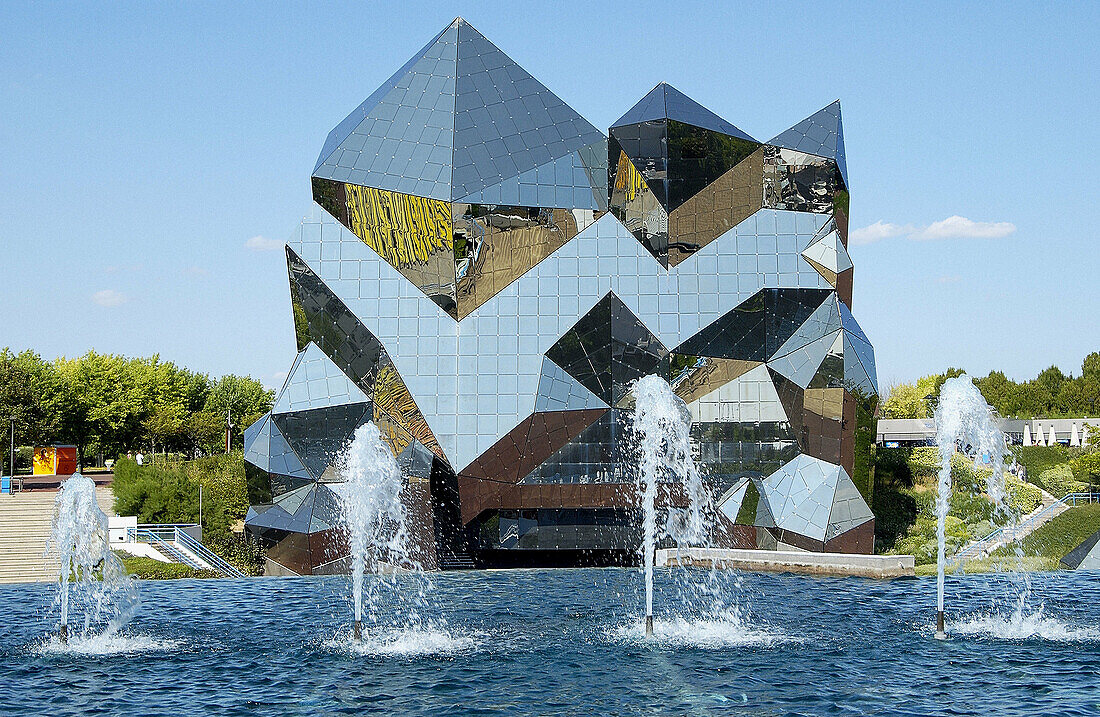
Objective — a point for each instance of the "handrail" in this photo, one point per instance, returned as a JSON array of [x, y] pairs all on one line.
[[168, 525], [183, 547], [204, 553], [137, 535], [978, 547]]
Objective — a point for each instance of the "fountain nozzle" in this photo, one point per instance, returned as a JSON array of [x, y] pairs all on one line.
[[357, 631], [649, 626], [63, 634], [941, 634]]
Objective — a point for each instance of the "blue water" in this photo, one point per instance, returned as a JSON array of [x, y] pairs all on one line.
[[567, 642]]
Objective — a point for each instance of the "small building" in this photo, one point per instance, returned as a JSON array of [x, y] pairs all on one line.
[[1071, 432], [55, 460], [909, 432]]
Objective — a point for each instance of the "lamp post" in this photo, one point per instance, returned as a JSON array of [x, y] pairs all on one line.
[[11, 466]]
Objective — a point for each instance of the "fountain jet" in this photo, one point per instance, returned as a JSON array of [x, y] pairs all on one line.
[[373, 513], [661, 427], [964, 421], [88, 568]]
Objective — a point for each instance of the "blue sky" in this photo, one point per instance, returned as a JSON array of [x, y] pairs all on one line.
[[153, 159]]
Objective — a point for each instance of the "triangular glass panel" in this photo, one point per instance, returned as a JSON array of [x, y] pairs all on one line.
[[856, 377], [565, 182], [558, 391], [756, 329], [848, 322], [730, 503], [824, 320], [319, 435], [316, 382], [402, 137], [801, 365], [506, 122], [415, 235], [821, 134]]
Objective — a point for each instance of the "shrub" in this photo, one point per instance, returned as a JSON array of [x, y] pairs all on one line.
[[1037, 459], [1059, 481], [1086, 468], [925, 461], [1023, 497], [921, 541], [150, 569], [964, 476], [169, 493]]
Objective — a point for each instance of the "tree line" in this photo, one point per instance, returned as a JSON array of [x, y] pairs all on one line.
[[107, 404], [1051, 394]]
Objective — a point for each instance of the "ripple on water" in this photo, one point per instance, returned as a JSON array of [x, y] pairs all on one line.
[[106, 644], [1022, 625], [403, 643], [702, 633]]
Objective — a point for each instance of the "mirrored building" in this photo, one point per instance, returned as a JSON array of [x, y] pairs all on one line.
[[490, 273]]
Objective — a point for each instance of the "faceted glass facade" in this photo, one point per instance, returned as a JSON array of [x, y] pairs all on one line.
[[490, 274]]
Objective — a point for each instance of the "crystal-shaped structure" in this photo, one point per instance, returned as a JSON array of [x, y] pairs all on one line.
[[491, 272]]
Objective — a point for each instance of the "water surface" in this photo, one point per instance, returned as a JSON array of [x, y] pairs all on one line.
[[568, 642]]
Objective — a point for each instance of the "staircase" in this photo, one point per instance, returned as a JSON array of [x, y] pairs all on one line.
[[456, 561], [25, 522], [177, 546], [1050, 508]]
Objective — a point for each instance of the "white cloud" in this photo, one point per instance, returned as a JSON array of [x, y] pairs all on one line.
[[195, 271], [275, 382], [878, 230], [262, 243], [957, 227], [948, 279], [954, 227], [109, 298]]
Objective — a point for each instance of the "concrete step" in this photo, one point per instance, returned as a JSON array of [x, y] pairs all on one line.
[[26, 521]]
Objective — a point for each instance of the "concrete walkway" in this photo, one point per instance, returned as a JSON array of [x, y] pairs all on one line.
[[25, 522], [777, 561]]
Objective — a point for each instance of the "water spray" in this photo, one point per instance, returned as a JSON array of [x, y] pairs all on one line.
[[374, 516], [662, 424], [90, 578], [963, 420]]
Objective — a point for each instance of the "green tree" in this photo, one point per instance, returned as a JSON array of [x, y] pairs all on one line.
[[27, 393], [165, 425], [100, 402], [204, 432], [910, 400], [1090, 367], [241, 399]]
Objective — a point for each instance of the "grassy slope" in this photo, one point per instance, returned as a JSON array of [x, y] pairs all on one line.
[[1043, 549], [149, 569], [1062, 534], [904, 503]]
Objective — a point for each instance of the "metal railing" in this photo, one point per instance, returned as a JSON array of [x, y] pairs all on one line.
[[207, 555], [1010, 533], [182, 547]]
